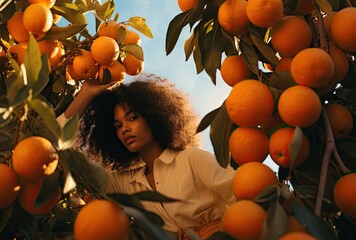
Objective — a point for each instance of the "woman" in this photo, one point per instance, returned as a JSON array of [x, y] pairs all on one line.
[[145, 132]]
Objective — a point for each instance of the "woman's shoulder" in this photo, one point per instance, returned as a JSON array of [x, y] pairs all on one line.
[[194, 152]]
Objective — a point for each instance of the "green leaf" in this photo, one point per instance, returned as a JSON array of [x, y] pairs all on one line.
[[281, 80], [134, 50], [174, 29], [325, 6], [263, 47], [295, 145], [49, 189], [126, 199], [316, 225], [121, 33], [71, 12], [32, 61], [91, 174], [5, 215], [64, 32], [347, 150], [207, 120], [70, 128], [106, 76], [42, 79], [197, 56], [105, 10], [276, 217], [220, 130], [46, 112], [189, 45], [139, 23], [249, 54]]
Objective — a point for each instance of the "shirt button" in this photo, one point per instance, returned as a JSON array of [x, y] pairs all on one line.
[[157, 183]]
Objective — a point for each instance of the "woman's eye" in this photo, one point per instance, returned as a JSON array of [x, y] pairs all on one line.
[[117, 127]]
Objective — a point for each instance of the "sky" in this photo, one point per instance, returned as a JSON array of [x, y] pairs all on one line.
[[204, 96]]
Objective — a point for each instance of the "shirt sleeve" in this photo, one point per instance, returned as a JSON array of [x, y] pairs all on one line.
[[216, 178]]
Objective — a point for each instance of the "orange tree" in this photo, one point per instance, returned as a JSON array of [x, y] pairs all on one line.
[[46, 52], [318, 38]]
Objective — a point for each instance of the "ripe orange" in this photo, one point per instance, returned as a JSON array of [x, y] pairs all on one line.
[[279, 144], [16, 27], [250, 103], [186, 5], [344, 194], [297, 236], [84, 65], [47, 3], [18, 51], [340, 118], [274, 123], [284, 64], [34, 157], [110, 29], [299, 106], [101, 219], [28, 194], [72, 74], [9, 186], [132, 37], [248, 145], [37, 18], [251, 178], [341, 63], [244, 219], [290, 35], [117, 71], [232, 17], [264, 13], [105, 50], [312, 67], [344, 21], [54, 50], [133, 65], [234, 69]]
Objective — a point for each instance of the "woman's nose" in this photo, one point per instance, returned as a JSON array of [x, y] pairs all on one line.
[[125, 129]]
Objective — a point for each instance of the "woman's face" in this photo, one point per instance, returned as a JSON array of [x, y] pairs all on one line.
[[132, 129]]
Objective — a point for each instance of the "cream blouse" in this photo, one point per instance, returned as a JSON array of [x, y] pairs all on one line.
[[192, 176]]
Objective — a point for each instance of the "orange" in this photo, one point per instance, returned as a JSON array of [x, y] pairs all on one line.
[[9, 186], [101, 219], [290, 35], [341, 63], [105, 50], [132, 37], [16, 27], [28, 195], [34, 157], [234, 69], [248, 145], [54, 50], [312, 67], [251, 178], [294, 225], [268, 67], [304, 7], [279, 148], [250, 103], [18, 52], [297, 236], [72, 73], [232, 17], [37, 18], [340, 118], [110, 29], [284, 64], [299, 106], [84, 65], [186, 5], [344, 194], [272, 124], [244, 219], [47, 3], [133, 65], [264, 13], [344, 21], [117, 71]]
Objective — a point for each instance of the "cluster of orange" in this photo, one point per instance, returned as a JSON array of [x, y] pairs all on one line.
[[104, 53], [33, 159]]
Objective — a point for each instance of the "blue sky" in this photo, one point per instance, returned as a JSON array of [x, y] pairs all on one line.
[[203, 94]]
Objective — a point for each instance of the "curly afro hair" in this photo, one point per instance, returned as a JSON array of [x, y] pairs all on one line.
[[165, 108]]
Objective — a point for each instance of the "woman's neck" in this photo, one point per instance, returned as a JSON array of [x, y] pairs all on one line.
[[151, 153]]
